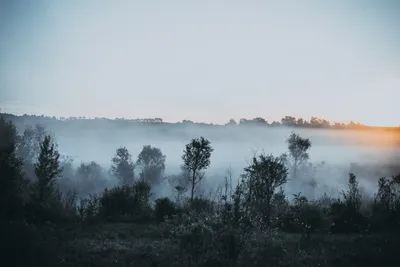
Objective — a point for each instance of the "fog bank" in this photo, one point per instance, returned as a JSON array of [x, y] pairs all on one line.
[[369, 154]]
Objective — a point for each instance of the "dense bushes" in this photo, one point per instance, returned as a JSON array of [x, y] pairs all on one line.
[[386, 208], [302, 217], [164, 208], [131, 202], [204, 239], [198, 205], [222, 238]]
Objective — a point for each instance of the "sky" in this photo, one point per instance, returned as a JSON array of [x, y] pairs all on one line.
[[206, 60]]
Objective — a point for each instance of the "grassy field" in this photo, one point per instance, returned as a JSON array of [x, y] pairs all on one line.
[[128, 244]]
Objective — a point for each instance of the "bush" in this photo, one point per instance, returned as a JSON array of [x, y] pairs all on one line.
[[60, 209], [347, 220], [164, 208], [127, 200], [202, 239], [199, 205], [303, 217], [386, 207], [115, 201], [207, 239], [89, 209]]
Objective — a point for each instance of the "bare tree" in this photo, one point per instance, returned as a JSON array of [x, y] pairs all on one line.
[[196, 158]]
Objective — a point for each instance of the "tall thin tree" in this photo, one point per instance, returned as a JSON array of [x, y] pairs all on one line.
[[298, 150], [196, 157], [47, 171]]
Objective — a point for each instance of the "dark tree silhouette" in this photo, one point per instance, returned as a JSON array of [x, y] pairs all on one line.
[[263, 176], [151, 161], [30, 141], [288, 120], [90, 177], [298, 148], [10, 172], [122, 166], [47, 170], [231, 122], [196, 157], [353, 195]]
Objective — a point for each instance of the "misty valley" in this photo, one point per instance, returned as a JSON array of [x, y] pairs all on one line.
[[157, 194], [199, 133], [369, 154]]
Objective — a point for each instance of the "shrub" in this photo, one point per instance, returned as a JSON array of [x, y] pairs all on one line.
[[218, 239], [164, 208], [347, 220], [386, 207], [303, 217], [199, 205], [89, 209], [115, 201], [353, 195], [128, 200], [203, 239], [347, 217], [262, 178]]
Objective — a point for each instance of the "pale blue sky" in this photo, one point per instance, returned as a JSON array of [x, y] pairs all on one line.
[[202, 60]]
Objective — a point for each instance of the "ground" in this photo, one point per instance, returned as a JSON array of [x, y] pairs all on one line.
[[127, 244]]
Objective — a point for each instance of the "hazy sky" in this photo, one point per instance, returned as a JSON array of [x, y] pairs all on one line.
[[202, 60]]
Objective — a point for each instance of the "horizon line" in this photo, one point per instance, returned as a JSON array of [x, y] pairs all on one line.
[[268, 122]]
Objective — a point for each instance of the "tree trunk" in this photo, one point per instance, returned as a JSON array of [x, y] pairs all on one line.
[[268, 210], [295, 169], [193, 184]]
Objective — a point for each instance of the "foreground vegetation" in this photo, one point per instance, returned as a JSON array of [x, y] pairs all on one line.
[[55, 215]]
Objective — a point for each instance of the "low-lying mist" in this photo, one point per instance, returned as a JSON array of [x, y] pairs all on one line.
[[334, 153]]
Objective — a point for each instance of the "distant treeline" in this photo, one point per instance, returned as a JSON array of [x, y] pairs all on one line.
[[288, 121]]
